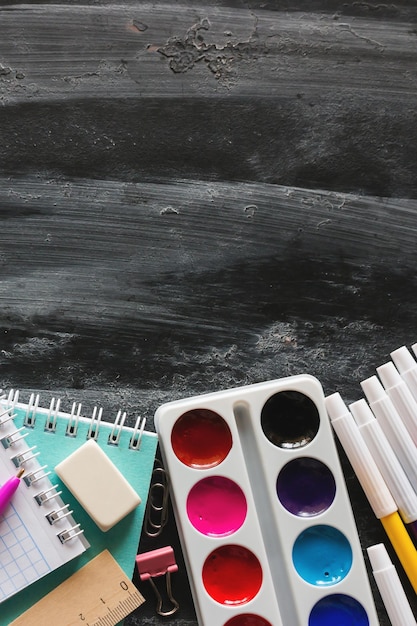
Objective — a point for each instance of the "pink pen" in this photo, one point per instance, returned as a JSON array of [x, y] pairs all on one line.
[[8, 489]]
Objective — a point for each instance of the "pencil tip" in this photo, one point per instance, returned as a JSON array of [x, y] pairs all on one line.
[[20, 472]]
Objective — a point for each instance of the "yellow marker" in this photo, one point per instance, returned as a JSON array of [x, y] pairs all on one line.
[[373, 484], [402, 544]]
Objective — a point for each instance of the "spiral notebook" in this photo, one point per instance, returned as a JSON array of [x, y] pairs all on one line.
[[38, 534], [54, 435]]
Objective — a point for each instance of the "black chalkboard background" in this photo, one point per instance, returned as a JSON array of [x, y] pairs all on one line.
[[204, 194]]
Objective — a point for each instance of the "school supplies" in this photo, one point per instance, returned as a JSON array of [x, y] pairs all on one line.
[[388, 464], [98, 485], [373, 484], [262, 510], [407, 367], [392, 425], [37, 531], [390, 588], [57, 435], [401, 396], [156, 515], [156, 563], [99, 594]]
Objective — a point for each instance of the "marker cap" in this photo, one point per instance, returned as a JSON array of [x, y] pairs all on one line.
[[386, 460], [362, 413], [389, 375], [379, 557], [389, 585], [401, 396], [403, 359], [407, 366], [373, 389], [393, 426], [365, 468]]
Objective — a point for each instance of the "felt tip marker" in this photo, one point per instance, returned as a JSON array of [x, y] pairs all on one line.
[[401, 397], [390, 588], [373, 484], [393, 426], [392, 472], [407, 366], [7, 490]]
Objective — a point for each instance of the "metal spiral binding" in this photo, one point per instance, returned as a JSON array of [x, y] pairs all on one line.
[[58, 514], [9, 417], [72, 426], [94, 424], [12, 399], [67, 535], [50, 425], [21, 458], [30, 416], [25, 456], [114, 436], [33, 477], [73, 421], [10, 404], [47, 495], [134, 443], [9, 440]]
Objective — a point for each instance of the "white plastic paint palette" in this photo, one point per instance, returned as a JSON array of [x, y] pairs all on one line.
[[265, 523]]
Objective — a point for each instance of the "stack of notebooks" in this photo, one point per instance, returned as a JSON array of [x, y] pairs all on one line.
[[46, 535]]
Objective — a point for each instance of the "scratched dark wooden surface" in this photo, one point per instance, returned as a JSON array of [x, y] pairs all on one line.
[[198, 195]]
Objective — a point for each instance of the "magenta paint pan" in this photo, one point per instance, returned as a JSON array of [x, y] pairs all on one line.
[[265, 523]]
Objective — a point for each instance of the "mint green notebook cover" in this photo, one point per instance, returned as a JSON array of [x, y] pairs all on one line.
[[122, 540]]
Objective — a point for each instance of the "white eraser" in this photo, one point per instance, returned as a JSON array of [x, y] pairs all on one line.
[[98, 485]]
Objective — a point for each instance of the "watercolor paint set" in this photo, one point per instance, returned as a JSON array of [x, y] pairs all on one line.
[[262, 510]]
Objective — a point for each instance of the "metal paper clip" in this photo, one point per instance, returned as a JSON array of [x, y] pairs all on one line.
[[156, 515], [160, 562]]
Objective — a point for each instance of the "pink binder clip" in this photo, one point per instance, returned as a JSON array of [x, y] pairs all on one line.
[[160, 562]]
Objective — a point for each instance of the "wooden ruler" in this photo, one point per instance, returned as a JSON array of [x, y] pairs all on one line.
[[99, 594]]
